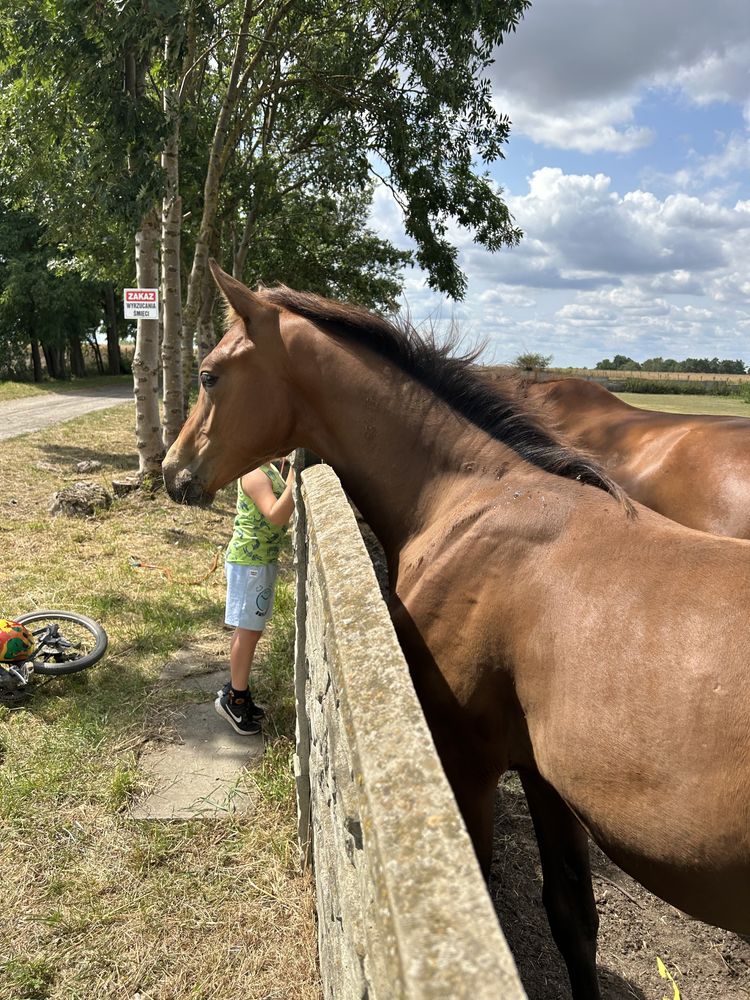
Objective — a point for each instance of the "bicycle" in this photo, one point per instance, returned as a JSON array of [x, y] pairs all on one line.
[[50, 643]]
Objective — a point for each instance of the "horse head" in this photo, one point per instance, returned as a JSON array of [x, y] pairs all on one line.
[[243, 416]]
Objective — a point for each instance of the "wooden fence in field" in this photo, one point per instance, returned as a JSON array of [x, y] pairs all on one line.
[[403, 911]]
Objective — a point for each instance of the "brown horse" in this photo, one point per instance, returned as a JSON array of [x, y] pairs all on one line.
[[694, 469], [550, 627]]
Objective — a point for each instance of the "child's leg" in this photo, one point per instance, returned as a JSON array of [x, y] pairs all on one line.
[[241, 654]]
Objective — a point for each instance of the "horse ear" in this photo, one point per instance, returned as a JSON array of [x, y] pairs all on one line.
[[237, 296]]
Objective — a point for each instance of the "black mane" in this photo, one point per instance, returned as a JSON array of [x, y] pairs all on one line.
[[496, 406]]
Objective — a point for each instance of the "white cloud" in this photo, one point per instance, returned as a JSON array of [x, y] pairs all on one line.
[[586, 126], [575, 72], [719, 74], [602, 272], [658, 265], [585, 228], [733, 157]]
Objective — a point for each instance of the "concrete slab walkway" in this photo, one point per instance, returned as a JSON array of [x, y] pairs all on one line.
[[198, 774]]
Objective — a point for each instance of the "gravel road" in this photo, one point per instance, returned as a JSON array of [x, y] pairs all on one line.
[[32, 413]]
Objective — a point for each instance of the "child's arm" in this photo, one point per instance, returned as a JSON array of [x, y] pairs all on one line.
[[257, 485]]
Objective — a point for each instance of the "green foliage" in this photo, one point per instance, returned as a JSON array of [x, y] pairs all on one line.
[[618, 364], [39, 297], [696, 388], [530, 361], [79, 137], [31, 979], [327, 98], [712, 366], [322, 244]]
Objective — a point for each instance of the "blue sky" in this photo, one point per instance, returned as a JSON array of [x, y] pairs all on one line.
[[628, 169]]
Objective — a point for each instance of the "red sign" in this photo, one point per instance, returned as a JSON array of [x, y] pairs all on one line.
[[141, 303]]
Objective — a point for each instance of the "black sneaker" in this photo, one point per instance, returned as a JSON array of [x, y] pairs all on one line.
[[238, 715], [256, 711]]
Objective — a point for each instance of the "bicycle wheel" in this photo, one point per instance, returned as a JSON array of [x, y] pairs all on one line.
[[66, 641]]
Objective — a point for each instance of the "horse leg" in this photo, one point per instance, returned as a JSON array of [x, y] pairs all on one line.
[[474, 789], [567, 893], [477, 807]]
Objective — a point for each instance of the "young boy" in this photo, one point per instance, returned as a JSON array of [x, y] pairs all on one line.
[[264, 507]]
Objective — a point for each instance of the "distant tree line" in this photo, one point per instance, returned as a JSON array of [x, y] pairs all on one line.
[[712, 366]]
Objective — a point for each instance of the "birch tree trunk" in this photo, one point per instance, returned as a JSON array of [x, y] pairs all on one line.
[[216, 163], [171, 227], [146, 357], [206, 329], [240, 256]]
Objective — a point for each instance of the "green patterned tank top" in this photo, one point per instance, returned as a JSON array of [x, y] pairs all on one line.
[[256, 542]]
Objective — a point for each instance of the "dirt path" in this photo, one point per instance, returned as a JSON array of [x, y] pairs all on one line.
[[32, 413], [635, 927]]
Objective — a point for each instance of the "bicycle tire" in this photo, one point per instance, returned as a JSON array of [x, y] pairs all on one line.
[[71, 666]]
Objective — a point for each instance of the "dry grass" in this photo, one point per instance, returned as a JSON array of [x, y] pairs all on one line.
[[18, 390], [97, 905]]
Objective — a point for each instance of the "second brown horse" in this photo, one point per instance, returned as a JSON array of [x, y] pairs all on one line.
[[692, 468]]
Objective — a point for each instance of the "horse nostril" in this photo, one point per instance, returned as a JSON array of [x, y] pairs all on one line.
[[180, 486], [182, 482], [184, 488]]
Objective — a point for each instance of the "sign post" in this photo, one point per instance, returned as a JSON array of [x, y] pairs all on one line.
[[141, 303]]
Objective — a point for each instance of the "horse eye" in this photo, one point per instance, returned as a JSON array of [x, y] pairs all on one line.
[[207, 379]]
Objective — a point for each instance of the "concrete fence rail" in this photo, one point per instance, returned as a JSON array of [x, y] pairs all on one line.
[[402, 907]]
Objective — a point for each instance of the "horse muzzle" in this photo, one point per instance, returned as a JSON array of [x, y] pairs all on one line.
[[183, 487]]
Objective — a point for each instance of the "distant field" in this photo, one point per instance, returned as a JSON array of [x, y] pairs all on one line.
[[673, 403], [658, 376]]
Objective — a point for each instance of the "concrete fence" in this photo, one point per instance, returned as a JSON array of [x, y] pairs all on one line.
[[402, 906]]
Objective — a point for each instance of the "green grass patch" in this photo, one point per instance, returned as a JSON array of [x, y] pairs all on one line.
[[30, 979], [671, 403], [715, 387], [19, 390]]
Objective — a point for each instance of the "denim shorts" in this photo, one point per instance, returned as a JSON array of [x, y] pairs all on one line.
[[250, 593]]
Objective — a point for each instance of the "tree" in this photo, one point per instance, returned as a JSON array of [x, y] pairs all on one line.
[[529, 361], [653, 365], [321, 243], [46, 309], [391, 83], [254, 128], [619, 363], [692, 365], [623, 363]]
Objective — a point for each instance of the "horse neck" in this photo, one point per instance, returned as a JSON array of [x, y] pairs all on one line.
[[399, 450]]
